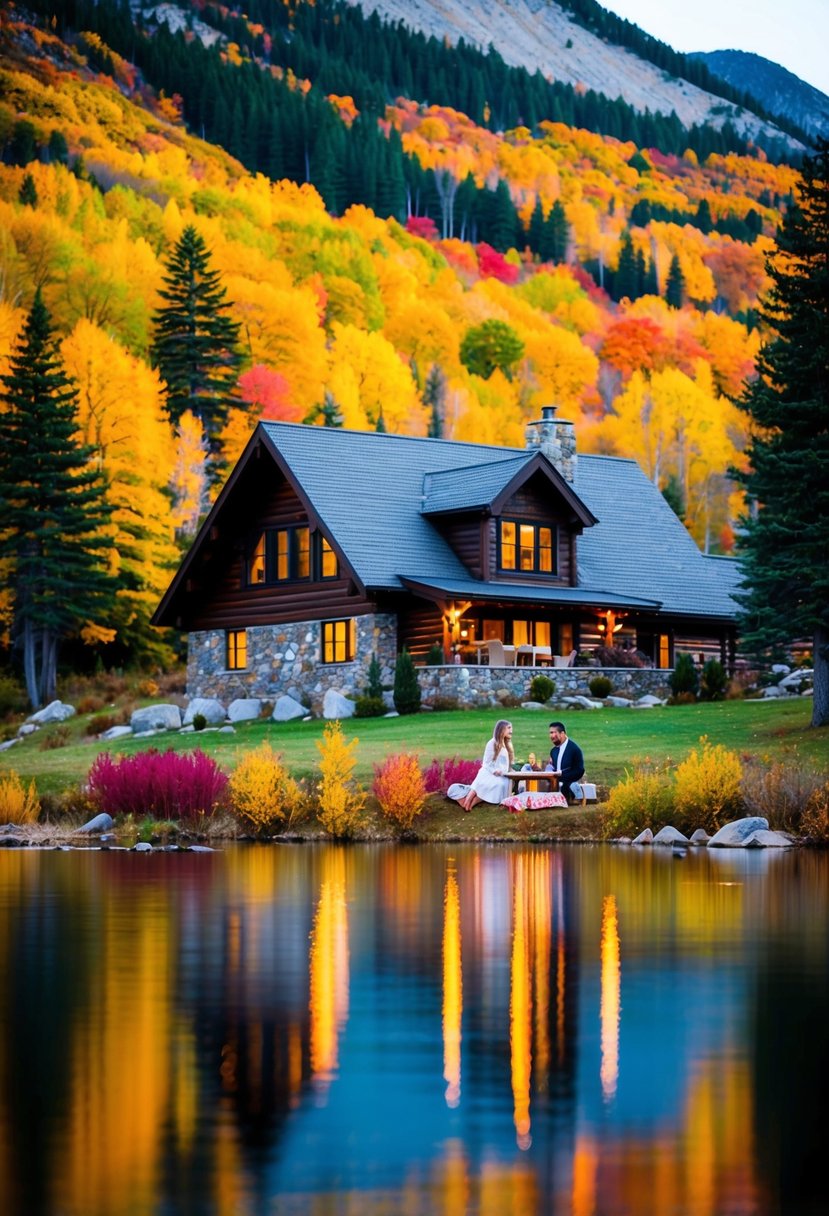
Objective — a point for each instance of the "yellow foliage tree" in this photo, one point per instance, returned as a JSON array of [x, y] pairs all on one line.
[[263, 793], [188, 482], [341, 802], [369, 379]]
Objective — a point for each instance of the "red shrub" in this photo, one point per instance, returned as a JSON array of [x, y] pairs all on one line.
[[168, 785], [398, 787], [423, 226], [493, 264], [442, 773]]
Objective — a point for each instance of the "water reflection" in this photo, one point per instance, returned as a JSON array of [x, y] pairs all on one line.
[[582, 1032]]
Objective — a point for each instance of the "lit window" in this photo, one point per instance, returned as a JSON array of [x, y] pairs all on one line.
[[236, 649], [527, 547], [256, 562], [507, 546], [283, 566], [339, 640], [328, 560], [664, 650]]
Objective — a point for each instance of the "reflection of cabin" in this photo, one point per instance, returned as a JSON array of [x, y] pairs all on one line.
[[326, 546]]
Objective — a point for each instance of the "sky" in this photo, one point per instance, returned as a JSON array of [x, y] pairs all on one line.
[[793, 33]]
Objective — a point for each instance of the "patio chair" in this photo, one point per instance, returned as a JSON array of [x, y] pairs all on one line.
[[499, 654]]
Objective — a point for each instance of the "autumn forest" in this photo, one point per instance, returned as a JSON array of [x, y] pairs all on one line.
[[427, 255]]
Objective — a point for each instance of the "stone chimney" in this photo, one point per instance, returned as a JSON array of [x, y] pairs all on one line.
[[557, 440]]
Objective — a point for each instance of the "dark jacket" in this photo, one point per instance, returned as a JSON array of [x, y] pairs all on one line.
[[573, 766]]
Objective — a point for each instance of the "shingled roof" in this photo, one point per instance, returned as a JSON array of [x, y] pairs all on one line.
[[369, 491]]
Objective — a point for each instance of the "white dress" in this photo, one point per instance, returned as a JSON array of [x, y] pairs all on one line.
[[486, 785]]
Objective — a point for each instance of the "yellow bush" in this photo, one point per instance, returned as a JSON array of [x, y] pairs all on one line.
[[400, 789], [17, 804], [814, 821], [708, 787], [642, 799], [340, 801], [261, 791]]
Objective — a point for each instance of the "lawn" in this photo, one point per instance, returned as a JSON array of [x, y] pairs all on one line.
[[610, 739]]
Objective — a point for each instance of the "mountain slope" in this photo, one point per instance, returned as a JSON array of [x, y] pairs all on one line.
[[539, 34], [777, 89]]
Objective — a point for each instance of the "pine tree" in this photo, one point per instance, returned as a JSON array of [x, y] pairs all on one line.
[[406, 687], [625, 279], [556, 234], [27, 194], [52, 506], [434, 396], [195, 340], [675, 286], [784, 544]]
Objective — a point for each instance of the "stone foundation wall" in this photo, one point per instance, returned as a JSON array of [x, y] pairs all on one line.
[[286, 659], [477, 686]]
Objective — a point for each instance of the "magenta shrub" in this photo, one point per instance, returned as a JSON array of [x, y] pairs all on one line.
[[168, 785], [442, 773]]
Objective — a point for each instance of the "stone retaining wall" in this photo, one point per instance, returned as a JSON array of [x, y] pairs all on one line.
[[286, 659], [476, 686]]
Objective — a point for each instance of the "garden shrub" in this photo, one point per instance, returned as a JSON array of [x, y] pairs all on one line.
[[406, 687], [814, 821], [400, 789], [781, 792], [17, 804], [148, 688], [435, 656], [90, 704], [444, 703], [374, 687], [642, 799], [442, 773], [168, 785], [262, 792], [199, 722], [707, 791], [101, 722], [620, 656], [714, 681], [369, 707], [541, 688], [684, 677], [54, 736], [341, 802], [601, 687]]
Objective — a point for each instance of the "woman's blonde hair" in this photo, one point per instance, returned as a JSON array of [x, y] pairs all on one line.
[[499, 740]]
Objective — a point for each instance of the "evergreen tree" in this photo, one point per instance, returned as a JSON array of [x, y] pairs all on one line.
[[434, 395], [625, 281], [52, 508], [27, 194], [675, 286], [406, 687], [374, 686], [535, 233], [784, 544], [194, 347], [556, 235], [327, 414], [703, 219]]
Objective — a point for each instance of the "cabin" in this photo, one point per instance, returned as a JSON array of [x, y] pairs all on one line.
[[327, 546]]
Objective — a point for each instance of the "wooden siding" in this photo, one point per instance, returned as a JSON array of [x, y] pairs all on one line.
[[419, 626]]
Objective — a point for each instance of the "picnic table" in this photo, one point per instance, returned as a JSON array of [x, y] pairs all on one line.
[[532, 777]]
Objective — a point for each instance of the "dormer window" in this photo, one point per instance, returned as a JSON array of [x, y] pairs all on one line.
[[526, 547]]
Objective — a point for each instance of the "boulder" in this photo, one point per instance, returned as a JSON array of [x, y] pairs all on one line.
[[335, 705], [670, 836], [774, 691], [700, 836], [734, 835], [763, 839], [4, 747], [210, 709], [28, 728], [142, 847], [645, 837], [101, 823], [56, 711], [286, 709], [532, 705], [244, 709], [648, 699], [619, 702], [116, 732], [156, 717]]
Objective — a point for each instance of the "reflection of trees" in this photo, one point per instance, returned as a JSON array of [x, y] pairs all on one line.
[[328, 966]]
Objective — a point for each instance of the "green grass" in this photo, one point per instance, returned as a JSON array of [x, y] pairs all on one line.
[[611, 739]]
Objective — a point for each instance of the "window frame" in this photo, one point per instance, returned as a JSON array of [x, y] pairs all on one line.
[[233, 649], [302, 563], [349, 640], [518, 546]]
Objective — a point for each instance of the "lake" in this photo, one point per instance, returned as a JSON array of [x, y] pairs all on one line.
[[574, 1031]]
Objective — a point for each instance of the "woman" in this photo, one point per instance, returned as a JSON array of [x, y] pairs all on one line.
[[490, 784]]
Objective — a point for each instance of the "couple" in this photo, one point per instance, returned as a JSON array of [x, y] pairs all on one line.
[[490, 785]]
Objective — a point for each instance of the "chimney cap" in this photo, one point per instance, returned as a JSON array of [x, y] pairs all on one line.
[[548, 413]]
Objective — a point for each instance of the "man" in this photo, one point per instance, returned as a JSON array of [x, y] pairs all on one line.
[[567, 758]]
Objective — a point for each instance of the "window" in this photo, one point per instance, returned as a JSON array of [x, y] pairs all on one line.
[[256, 561], [236, 649], [664, 650], [328, 559], [527, 547], [287, 555], [339, 641], [565, 639]]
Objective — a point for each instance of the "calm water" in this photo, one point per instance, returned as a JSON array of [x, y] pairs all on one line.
[[581, 1031]]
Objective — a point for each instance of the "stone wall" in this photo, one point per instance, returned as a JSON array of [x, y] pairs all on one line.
[[286, 659], [476, 686]]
